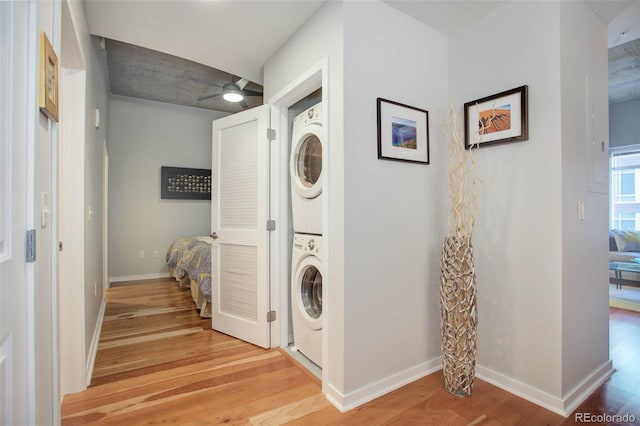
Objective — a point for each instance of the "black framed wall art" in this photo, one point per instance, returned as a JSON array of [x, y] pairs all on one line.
[[497, 119], [181, 183], [403, 132]]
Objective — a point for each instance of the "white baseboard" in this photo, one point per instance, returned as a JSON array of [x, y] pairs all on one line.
[[523, 390], [346, 402], [585, 388], [139, 277], [93, 350], [563, 406]]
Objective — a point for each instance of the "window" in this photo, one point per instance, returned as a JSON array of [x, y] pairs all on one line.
[[624, 210]]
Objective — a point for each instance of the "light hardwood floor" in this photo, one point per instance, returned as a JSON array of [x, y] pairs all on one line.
[[158, 362]]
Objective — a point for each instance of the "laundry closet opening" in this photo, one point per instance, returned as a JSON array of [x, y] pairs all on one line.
[[305, 127]]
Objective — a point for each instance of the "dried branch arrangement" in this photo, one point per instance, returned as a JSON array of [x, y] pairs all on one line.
[[464, 183], [458, 314]]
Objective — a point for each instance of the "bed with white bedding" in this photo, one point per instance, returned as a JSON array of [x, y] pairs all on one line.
[[189, 261]]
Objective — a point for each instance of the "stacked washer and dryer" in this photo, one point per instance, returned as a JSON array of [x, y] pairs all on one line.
[[306, 260]]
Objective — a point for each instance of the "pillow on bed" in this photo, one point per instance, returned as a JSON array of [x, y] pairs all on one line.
[[627, 240]]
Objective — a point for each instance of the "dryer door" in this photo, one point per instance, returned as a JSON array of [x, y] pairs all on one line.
[[306, 162], [308, 291]]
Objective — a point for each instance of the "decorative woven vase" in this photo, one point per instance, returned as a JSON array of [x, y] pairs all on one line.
[[459, 317]]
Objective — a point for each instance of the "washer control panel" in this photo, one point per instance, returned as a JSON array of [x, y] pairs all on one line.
[[308, 243], [311, 115]]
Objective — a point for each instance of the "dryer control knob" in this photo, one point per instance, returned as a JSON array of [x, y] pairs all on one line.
[[311, 244]]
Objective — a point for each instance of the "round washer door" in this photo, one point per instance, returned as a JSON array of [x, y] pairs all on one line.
[[308, 291], [306, 162]]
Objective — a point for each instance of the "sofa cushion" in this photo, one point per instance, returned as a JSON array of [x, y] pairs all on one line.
[[627, 240], [623, 256], [612, 242]]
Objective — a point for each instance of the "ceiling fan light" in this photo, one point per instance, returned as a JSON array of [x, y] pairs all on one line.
[[232, 94], [232, 97]]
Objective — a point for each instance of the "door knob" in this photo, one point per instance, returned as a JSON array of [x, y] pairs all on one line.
[[214, 235]]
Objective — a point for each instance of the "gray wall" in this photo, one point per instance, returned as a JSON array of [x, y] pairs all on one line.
[[143, 136], [624, 126], [97, 96]]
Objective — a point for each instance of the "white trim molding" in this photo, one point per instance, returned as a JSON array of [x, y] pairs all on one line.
[[584, 389], [563, 406], [139, 277], [91, 358], [351, 400], [6, 380]]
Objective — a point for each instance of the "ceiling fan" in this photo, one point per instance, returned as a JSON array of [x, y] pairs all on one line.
[[233, 92]]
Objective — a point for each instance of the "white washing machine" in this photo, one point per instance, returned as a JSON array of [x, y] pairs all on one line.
[[306, 296], [305, 168]]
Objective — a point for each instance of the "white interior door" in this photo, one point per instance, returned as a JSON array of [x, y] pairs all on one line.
[[15, 399], [240, 210]]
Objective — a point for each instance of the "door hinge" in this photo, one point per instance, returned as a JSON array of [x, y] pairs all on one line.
[[271, 316], [59, 245], [271, 225], [31, 245], [271, 134]]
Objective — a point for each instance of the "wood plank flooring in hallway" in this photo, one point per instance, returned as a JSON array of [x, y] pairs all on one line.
[[159, 362]]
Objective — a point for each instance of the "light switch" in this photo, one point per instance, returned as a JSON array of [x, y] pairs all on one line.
[[580, 210], [44, 209]]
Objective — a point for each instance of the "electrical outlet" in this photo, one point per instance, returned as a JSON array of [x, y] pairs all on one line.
[[141, 254], [156, 253]]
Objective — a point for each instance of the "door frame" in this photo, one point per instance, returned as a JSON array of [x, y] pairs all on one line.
[[280, 247], [71, 303]]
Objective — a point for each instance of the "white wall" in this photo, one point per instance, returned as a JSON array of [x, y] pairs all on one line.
[[518, 236], [143, 136], [322, 37], [395, 212], [529, 245], [518, 230], [387, 219], [585, 296], [372, 287], [43, 171], [624, 126]]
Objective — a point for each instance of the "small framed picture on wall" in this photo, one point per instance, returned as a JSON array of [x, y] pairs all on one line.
[[497, 119], [403, 132], [48, 99]]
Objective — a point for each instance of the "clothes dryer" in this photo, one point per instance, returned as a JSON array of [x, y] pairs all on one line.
[[306, 296], [306, 171]]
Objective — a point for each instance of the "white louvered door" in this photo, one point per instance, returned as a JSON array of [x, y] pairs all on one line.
[[239, 214]]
